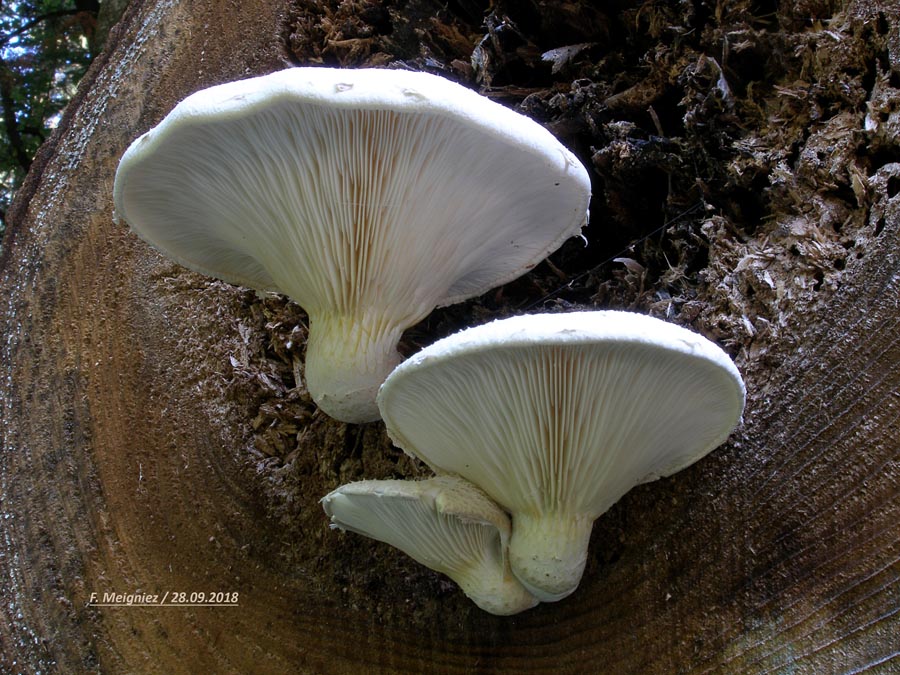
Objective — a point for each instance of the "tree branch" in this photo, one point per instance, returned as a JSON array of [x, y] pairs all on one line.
[[7, 103], [28, 25]]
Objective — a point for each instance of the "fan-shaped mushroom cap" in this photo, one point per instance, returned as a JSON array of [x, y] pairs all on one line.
[[445, 523], [556, 416], [367, 196]]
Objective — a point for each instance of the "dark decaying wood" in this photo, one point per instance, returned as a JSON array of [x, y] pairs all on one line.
[[132, 462]]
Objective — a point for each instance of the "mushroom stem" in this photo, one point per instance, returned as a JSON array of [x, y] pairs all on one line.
[[346, 362], [547, 553], [499, 594]]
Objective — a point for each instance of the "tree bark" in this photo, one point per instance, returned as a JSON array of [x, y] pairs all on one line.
[[133, 459]]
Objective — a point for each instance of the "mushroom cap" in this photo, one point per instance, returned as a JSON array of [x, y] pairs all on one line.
[[556, 416], [444, 523], [367, 196], [310, 180]]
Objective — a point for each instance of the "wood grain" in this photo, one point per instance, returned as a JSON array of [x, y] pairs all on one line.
[[120, 467]]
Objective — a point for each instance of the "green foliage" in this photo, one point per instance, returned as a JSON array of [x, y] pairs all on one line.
[[45, 48]]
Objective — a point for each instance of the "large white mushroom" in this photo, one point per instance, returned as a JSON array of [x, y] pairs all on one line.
[[445, 523], [556, 416], [367, 196]]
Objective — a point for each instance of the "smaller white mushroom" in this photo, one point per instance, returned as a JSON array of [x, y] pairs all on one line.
[[556, 416], [446, 524]]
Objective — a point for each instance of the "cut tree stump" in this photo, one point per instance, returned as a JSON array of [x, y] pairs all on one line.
[[126, 465]]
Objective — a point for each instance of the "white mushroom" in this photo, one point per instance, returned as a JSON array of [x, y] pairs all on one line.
[[367, 196], [556, 416], [444, 523]]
